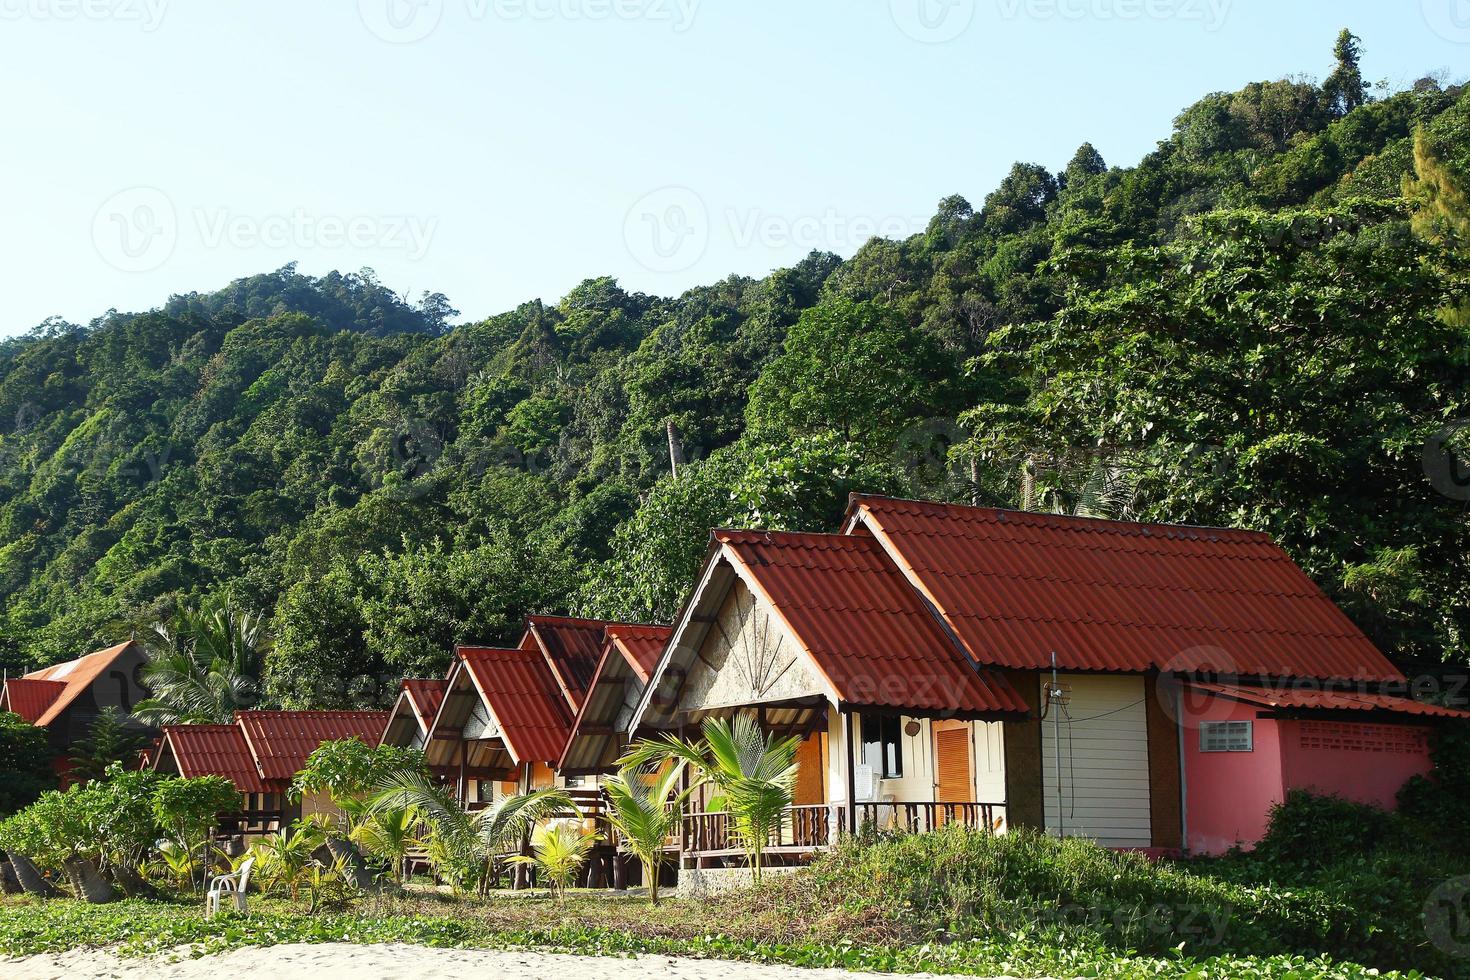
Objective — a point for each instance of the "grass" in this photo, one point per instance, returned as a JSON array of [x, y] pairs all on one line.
[[590, 926], [951, 902]]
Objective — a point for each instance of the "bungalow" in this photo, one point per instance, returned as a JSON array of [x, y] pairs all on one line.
[[261, 753], [413, 713], [503, 718], [66, 698], [1148, 686]]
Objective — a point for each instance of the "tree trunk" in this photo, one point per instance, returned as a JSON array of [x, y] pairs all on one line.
[[88, 881], [131, 882], [650, 871], [9, 884], [345, 851], [30, 877]]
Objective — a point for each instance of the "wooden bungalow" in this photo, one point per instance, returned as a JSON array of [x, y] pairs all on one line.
[[1106, 679], [65, 699]]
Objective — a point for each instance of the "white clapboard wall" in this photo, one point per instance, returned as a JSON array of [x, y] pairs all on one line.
[[1103, 743]]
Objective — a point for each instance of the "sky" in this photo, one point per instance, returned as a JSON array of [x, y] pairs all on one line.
[[505, 150]]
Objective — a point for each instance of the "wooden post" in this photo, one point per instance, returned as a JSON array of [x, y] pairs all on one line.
[[463, 790], [523, 872], [851, 776]]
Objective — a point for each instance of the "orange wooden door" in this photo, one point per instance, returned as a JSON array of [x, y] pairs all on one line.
[[952, 764], [809, 790]]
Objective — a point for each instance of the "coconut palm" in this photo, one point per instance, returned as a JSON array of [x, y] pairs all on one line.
[[389, 833], [558, 852], [203, 664], [478, 839], [753, 771], [645, 810]]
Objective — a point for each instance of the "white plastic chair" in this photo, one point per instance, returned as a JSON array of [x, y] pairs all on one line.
[[233, 885]]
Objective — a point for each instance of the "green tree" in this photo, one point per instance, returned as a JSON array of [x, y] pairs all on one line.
[[204, 664], [755, 774], [1345, 89], [108, 741], [187, 811], [25, 758], [1441, 216], [646, 808], [856, 369]]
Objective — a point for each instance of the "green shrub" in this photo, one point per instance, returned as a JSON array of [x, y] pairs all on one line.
[[1308, 831], [25, 759]]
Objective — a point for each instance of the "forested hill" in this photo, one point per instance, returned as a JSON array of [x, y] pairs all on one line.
[[1261, 325]]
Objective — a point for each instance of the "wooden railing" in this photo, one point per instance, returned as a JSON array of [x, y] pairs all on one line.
[[920, 817], [801, 828], [806, 828]]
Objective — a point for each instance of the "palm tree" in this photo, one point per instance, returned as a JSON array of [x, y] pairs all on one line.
[[474, 838], [755, 772], [559, 853], [203, 664], [646, 808], [389, 833]]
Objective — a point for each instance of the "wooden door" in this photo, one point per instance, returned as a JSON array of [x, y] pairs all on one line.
[[952, 766], [809, 789]]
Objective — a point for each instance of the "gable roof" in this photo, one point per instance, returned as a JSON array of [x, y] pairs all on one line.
[[640, 646], [867, 631], [73, 677], [414, 710], [29, 697], [629, 656], [571, 647], [211, 750], [281, 741], [1016, 587], [525, 699]]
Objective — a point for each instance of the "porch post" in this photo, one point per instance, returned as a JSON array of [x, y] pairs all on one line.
[[523, 873], [851, 775], [463, 789]]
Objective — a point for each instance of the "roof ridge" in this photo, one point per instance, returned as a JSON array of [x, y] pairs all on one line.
[[1096, 523]]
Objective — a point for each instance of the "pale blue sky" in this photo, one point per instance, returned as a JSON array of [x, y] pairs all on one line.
[[520, 146]]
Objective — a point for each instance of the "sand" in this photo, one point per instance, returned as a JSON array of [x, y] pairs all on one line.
[[343, 961]]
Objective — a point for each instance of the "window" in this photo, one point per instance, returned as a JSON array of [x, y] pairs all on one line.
[[883, 745], [1226, 736]]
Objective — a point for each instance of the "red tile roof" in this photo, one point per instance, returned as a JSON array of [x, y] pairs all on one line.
[[282, 740], [425, 696], [571, 646], [524, 698], [74, 676], [1326, 699], [213, 750], [641, 646], [1115, 596], [866, 629], [30, 698]]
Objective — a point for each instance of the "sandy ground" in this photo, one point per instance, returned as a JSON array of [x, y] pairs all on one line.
[[341, 961]]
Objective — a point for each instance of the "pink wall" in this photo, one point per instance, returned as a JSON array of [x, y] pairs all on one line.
[[1355, 760], [1228, 794]]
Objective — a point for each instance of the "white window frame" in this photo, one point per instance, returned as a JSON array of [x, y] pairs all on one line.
[[1227, 736]]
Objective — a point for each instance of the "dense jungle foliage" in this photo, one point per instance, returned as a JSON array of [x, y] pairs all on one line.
[[1265, 323]]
